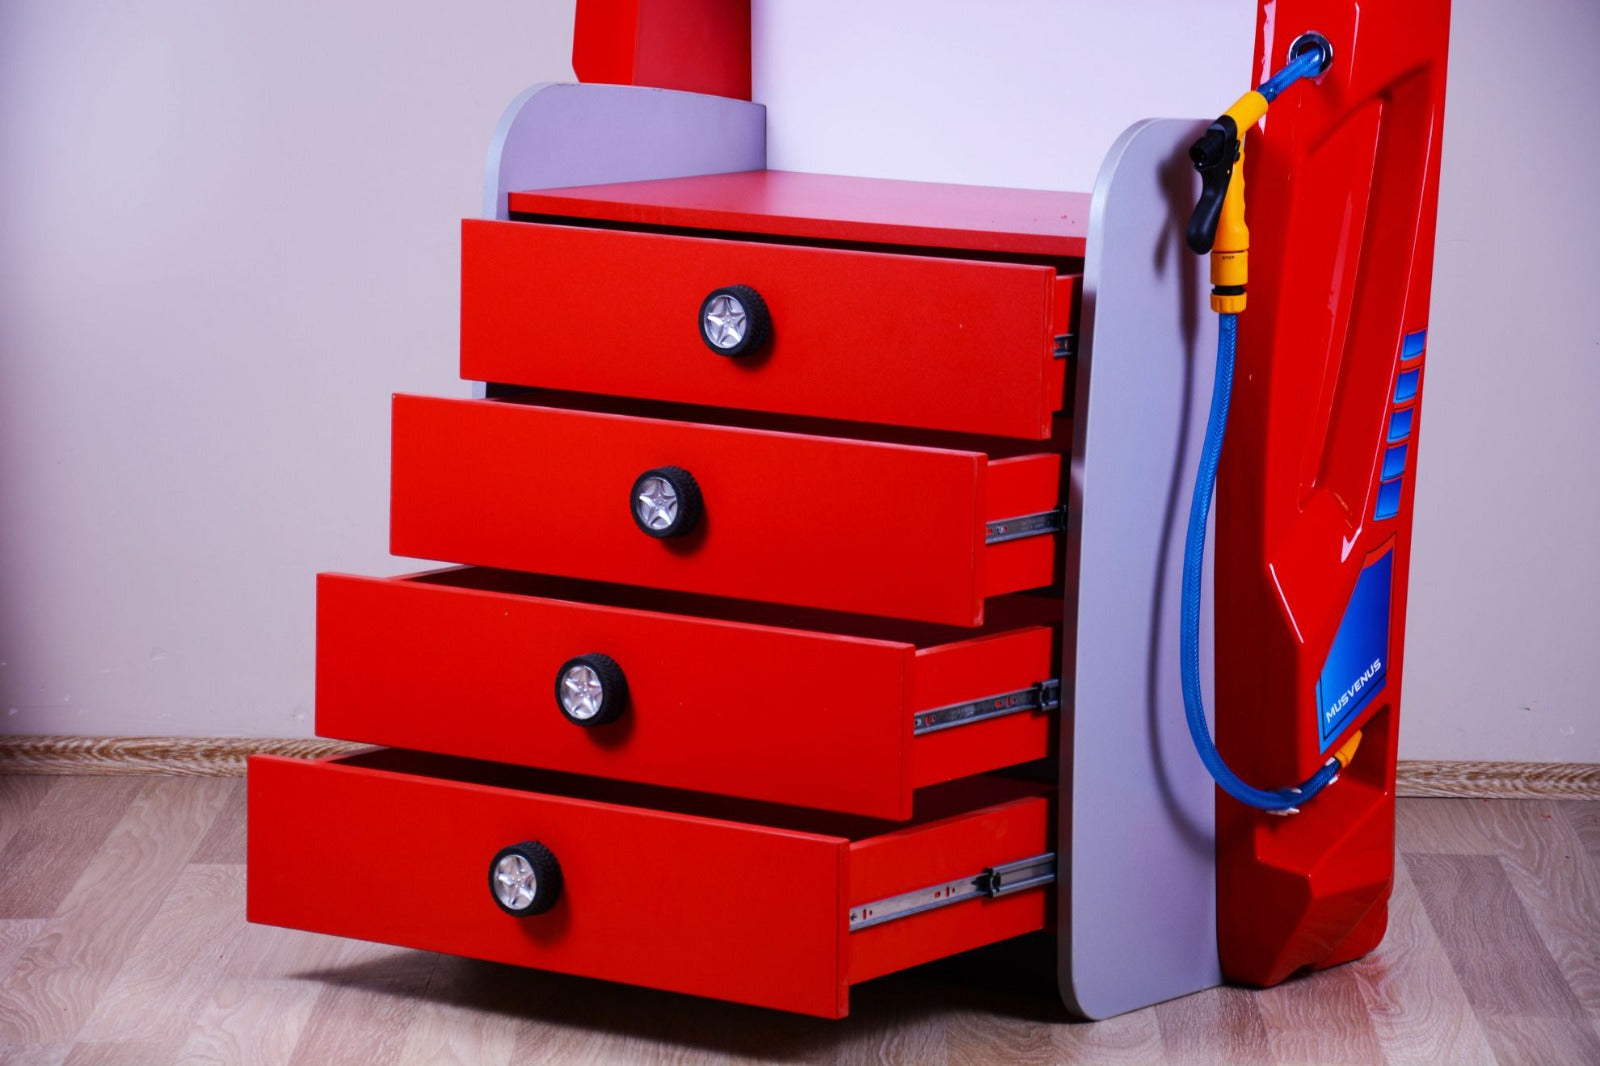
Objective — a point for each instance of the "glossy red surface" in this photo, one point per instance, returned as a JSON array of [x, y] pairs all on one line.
[[664, 897], [844, 525], [831, 207], [1343, 187], [786, 715], [867, 337], [698, 46]]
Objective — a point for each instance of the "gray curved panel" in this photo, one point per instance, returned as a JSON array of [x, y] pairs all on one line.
[[1138, 921], [556, 135]]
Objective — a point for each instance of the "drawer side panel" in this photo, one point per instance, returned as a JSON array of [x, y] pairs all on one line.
[[952, 674], [927, 855]]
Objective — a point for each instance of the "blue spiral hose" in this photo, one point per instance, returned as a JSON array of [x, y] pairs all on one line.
[[1194, 553]]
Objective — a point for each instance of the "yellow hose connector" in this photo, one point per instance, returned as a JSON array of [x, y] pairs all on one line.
[[1347, 751]]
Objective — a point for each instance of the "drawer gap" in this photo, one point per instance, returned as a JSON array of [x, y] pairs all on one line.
[[1002, 613], [737, 418], [933, 804], [1061, 265]]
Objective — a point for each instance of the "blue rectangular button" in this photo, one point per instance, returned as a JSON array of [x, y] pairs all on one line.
[[1405, 388], [1413, 344], [1400, 425], [1388, 499], [1394, 462]]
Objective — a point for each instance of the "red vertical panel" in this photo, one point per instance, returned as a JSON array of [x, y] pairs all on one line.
[[1343, 188], [700, 46]]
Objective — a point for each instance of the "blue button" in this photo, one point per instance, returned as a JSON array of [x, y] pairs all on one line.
[[1394, 462], [1406, 387], [1413, 344], [1400, 425], [1388, 499]]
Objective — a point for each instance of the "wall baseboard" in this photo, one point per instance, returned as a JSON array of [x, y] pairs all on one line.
[[1498, 780], [225, 757], [193, 756]]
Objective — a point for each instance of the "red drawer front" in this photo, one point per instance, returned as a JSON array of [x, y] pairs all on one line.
[[862, 336], [844, 525], [802, 718], [672, 899]]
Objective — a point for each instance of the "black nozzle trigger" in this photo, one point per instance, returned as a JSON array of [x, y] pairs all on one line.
[[1213, 156]]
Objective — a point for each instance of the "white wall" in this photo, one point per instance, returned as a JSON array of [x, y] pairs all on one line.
[[1504, 634], [228, 232]]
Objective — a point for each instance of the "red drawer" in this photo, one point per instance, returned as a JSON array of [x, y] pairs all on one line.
[[469, 663], [845, 525], [863, 336], [398, 848]]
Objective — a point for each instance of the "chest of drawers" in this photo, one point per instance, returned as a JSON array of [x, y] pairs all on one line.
[[797, 663]]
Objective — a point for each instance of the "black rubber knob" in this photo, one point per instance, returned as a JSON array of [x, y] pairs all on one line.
[[525, 879], [591, 689], [734, 321], [665, 502]]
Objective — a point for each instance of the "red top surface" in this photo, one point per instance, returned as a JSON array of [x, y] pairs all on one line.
[[828, 207]]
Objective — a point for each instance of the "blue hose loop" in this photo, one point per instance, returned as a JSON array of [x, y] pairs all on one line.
[[1283, 800]]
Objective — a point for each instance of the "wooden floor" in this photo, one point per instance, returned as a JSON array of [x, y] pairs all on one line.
[[122, 940]]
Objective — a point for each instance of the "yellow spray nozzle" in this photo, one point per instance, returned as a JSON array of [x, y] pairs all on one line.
[[1217, 225], [1230, 252]]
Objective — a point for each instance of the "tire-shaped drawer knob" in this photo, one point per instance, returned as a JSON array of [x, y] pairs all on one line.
[[591, 690], [665, 502], [734, 321], [525, 879]]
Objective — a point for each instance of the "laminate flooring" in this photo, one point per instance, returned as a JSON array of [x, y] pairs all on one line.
[[123, 940]]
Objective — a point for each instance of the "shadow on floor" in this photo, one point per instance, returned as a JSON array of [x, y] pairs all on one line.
[[1014, 980]]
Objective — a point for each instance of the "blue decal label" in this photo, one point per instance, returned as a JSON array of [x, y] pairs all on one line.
[[1358, 662]]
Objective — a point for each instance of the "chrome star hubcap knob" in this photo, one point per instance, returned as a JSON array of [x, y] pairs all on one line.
[[525, 879], [666, 501], [591, 689], [515, 883], [724, 320], [656, 503], [581, 692], [734, 321]]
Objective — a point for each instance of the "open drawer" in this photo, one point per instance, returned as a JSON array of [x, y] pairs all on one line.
[[834, 333], [684, 691], [636, 885], [858, 526]]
